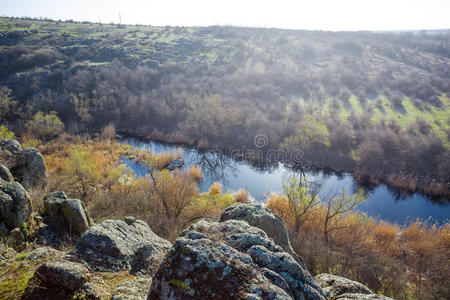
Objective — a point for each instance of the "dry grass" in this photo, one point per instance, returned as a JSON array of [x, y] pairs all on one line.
[[403, 262], [242, 196], [196, 173], [215, 188]]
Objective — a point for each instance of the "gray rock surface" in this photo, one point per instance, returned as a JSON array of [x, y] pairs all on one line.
[[113, 245], [334, 285], [9, 152], [26, 165], [230, 260], [261, 217], [32, 169], [44, 253], [70, 212], [353, 296], [53, 204], [15, 207], [132, 289], [56, 280], [75, 215], [5, 174]]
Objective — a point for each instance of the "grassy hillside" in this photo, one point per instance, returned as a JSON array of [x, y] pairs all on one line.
[[373, 103]]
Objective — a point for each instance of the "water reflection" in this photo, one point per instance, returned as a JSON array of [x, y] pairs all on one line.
[[261, 179]]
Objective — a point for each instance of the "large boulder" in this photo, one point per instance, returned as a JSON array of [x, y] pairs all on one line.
[[53, 204], [56, 280], [261, 217], [15, 206], [114, 245], [230, 260], [69, 212], [31, 169], [10, 151], [76, 215], [26, 165], [337, 287]]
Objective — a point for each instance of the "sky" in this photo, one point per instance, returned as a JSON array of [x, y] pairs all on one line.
[[300, 14]]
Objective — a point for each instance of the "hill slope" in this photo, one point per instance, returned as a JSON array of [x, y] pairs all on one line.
[[373, 103]]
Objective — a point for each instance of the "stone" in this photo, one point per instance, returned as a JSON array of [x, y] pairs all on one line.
[[56, 280], [136, 289], [53, 203], [352, 296], [113, 245], [32, 170], [334, 286], [67, 212], [27, 166], [15, 205], [44, 253], [76, 215], [175, 164], [230, 260], [5, 174], [9, 152], [261, 217], [129, 220]]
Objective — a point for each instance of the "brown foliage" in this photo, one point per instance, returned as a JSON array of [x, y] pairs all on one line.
[[404, 262]]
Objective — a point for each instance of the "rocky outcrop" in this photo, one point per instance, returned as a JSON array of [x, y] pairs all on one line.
[[69, 211], [15, 207], [337, 287], [56, 280], [27, 166], [115, 245], [261, 217], [230, 260]]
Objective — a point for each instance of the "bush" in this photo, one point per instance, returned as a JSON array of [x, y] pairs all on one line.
[[5, 133], [45, 126]]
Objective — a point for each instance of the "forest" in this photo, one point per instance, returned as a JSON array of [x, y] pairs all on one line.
[[372, 103]]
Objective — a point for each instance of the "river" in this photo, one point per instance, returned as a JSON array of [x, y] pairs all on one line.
[[382, 202]]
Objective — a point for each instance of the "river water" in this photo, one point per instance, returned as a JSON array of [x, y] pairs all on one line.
[[382, 203]]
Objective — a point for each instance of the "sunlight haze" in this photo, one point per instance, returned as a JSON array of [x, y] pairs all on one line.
[[312, 15]]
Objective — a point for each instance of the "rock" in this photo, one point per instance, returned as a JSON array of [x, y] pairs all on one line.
[[113, 245], [352, 296], [53, 203], [334, 286], [44, 253], [3, 230], [132, 289], [56, 280], [32, 170], [177, 163], [15, 206], [5, 174], [75, 215], [230, 260], [261, 217], [70, 212], [9, 152], [129, 220], [27, 166]]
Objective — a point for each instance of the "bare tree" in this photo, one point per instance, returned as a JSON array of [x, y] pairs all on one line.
[[339, 205], [301, 198]]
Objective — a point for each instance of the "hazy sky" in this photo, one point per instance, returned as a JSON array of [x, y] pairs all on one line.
[[300, 14]]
